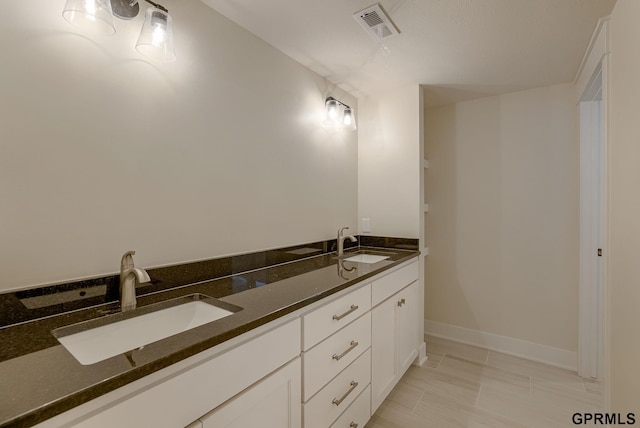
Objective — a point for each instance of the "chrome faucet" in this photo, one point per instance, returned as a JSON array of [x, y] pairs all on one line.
[[129, 277], [341, 239]]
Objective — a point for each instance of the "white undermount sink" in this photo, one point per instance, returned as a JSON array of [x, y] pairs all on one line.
[[366, 258], [92, 345]]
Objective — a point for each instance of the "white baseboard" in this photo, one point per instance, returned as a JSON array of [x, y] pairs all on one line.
[[422, 355], [507, 345]]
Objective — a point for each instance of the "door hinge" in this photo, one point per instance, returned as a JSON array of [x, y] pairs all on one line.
[[599, 252]]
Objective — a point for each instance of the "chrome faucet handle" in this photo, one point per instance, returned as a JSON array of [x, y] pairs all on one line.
[[341, 231]]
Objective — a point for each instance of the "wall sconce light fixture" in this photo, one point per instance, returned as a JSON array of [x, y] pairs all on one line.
[[96, 17], [339, 115]]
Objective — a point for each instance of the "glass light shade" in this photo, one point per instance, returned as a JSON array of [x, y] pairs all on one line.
[[332, 113], [332, 109], [93, 16], [348, 120], [156, 37]]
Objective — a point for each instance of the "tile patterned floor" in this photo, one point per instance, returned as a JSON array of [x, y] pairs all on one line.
[[465, 386]]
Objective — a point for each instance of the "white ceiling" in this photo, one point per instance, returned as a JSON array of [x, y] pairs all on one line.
[[461, 49]]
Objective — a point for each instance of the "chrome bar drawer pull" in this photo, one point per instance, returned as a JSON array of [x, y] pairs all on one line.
[[349, 349], [339, 317], [354, 385]]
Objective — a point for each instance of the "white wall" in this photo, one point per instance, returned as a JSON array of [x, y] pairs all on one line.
[[502, 229], [101, 151], [624, 205], [389, 162]]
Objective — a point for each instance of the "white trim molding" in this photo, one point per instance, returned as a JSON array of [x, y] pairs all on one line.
[[507, 345], [422, 355], [593, 92], [598, 47]]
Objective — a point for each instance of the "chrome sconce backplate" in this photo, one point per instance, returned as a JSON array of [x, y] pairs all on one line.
[[123, 9]]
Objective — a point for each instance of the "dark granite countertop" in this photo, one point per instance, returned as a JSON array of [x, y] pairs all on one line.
[[40, 378]]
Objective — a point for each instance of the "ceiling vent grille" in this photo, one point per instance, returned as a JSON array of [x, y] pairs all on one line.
[[376, 22]]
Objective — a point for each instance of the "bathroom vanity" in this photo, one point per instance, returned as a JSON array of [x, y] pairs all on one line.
[[317, 342]]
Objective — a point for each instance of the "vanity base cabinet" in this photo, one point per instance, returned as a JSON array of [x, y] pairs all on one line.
[[394, 341], [330, 365], [274, 401]]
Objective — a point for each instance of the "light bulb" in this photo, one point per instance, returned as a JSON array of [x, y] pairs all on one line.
[[159, 32], [156, 37], [91, 9], [347, 119], [332, 109]]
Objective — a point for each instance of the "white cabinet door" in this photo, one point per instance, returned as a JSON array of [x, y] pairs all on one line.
[[394, 341], [406, 327], [383, 338], [272, 402]]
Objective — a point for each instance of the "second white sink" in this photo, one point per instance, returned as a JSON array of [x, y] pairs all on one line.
[[99, 343], [366, 258]]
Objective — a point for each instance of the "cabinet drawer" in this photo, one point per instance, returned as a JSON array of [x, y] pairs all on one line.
[[338, 394], [328, 319], [389, 285], [357, 415], [324, 361]]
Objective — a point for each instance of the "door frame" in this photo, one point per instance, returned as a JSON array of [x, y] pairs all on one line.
[[593, 92]]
